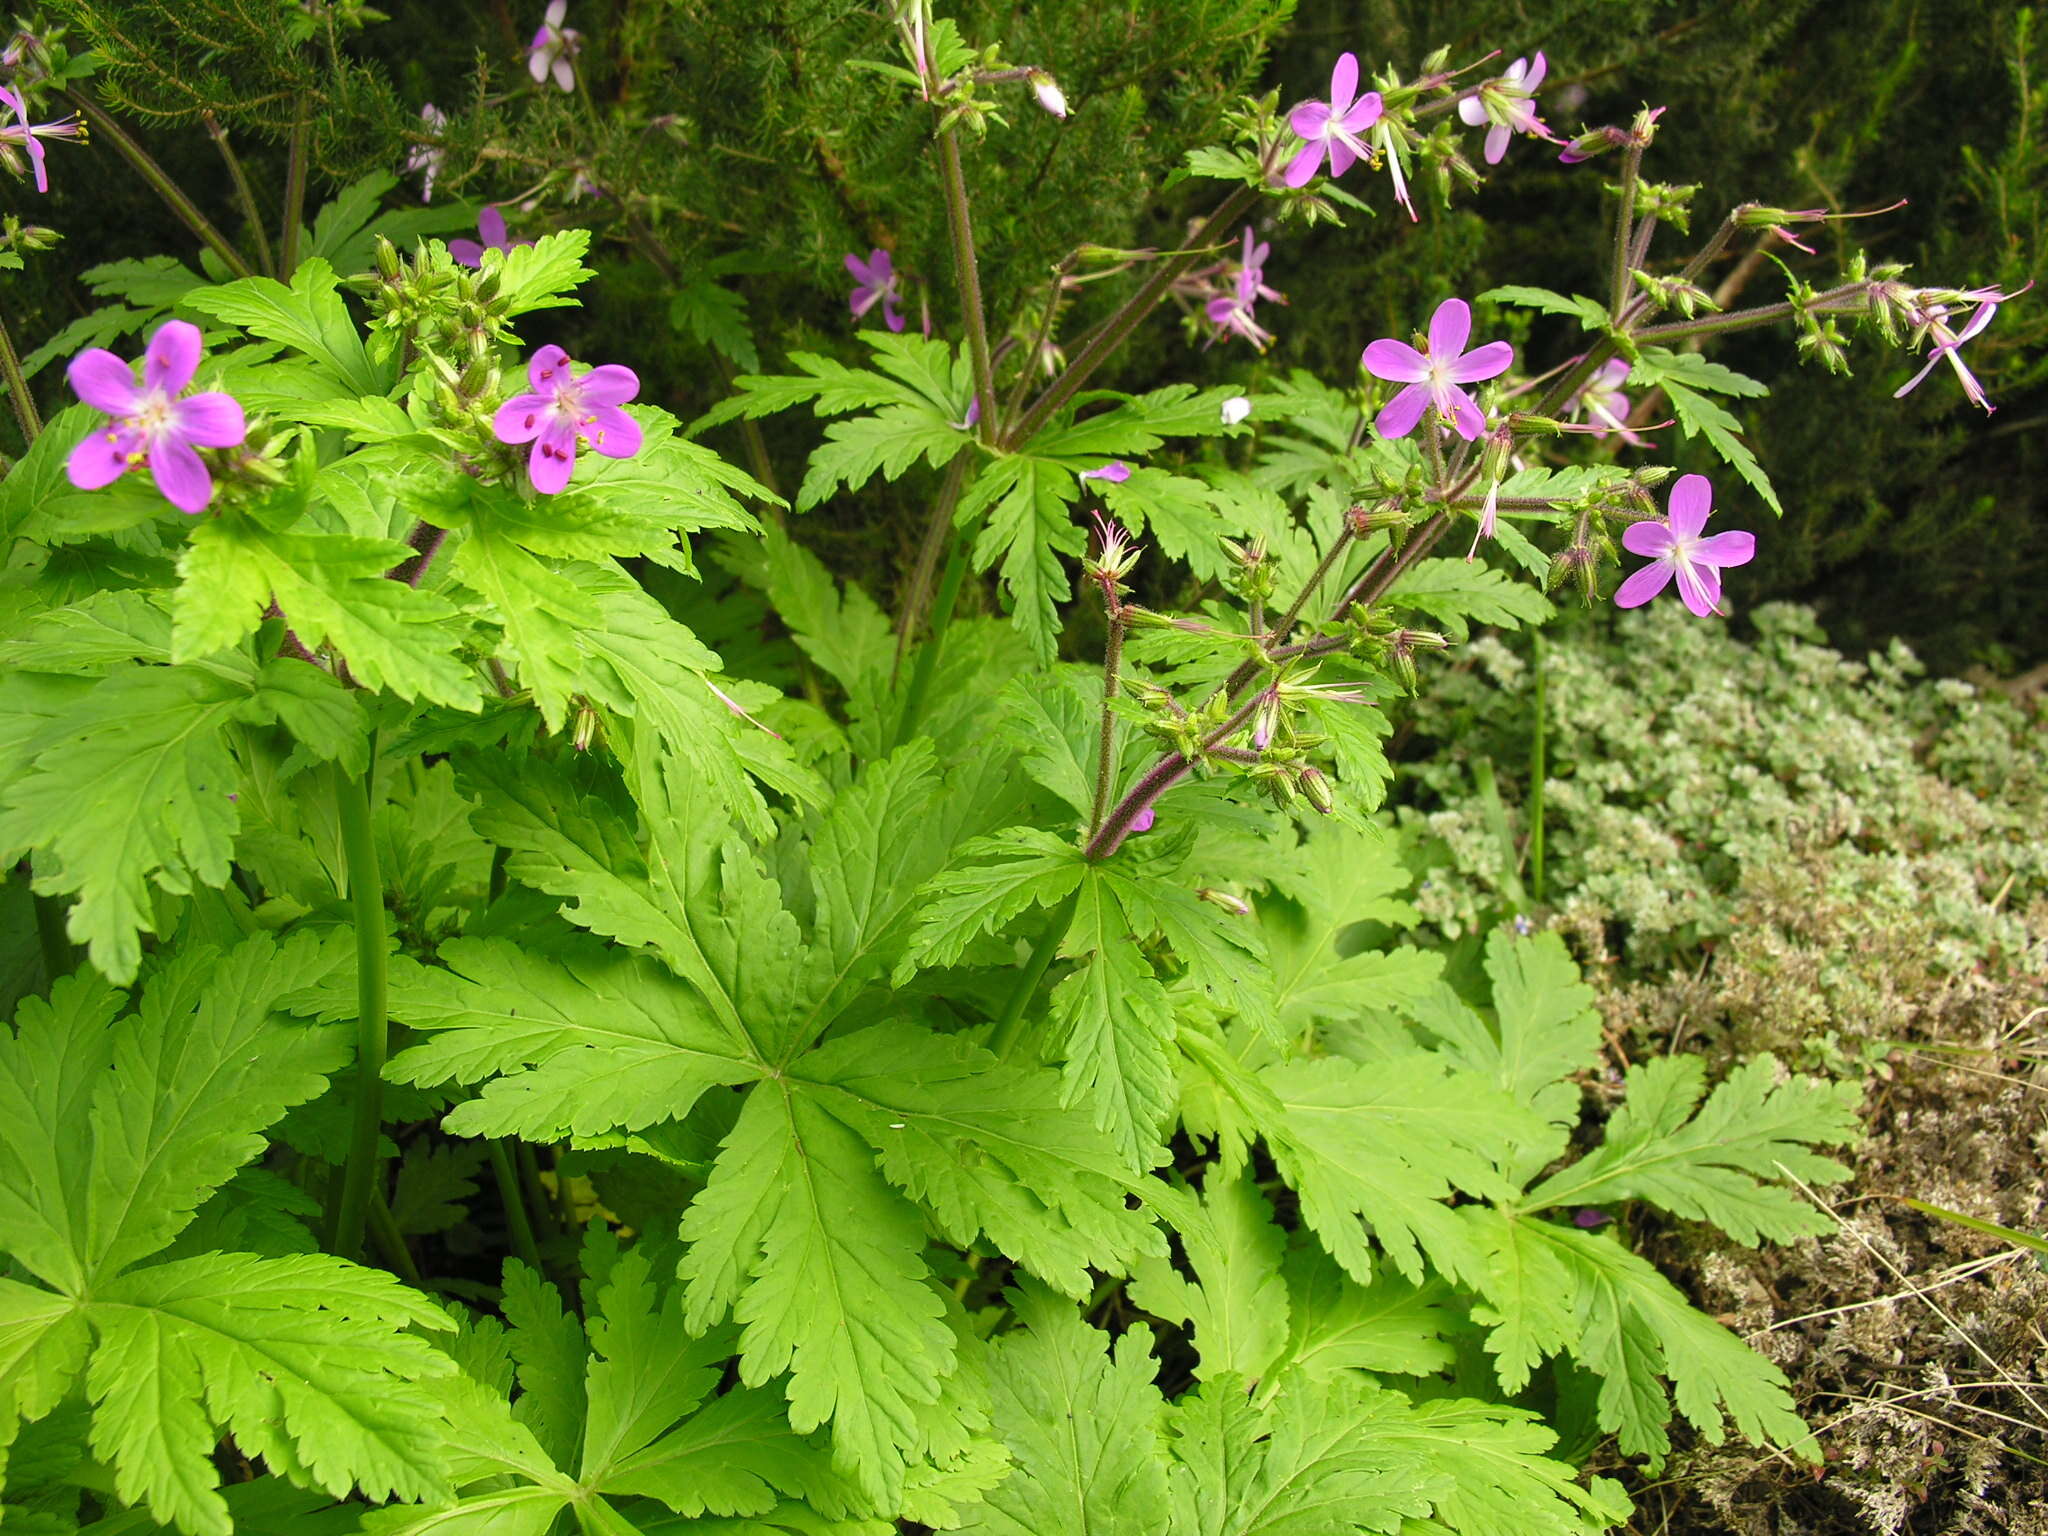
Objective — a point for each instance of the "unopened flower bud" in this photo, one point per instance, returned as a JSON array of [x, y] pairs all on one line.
[[1594, 141], [1236, 906], [1315, 789], [1048, 92], [387, 259], [1363, 520], [586, 728]]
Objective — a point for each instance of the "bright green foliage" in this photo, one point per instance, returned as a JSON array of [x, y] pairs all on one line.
[[117, 1126]]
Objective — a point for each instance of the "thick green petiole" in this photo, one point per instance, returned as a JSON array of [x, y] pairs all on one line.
[[351, 1209]]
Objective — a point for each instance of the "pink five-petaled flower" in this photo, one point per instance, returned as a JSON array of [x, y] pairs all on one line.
[[491, 225], [151, 425], [563, 410], [1930, 319], [30, 136], [1333, 127], [1231, 312], [1603, 404], [1434, 374], [875, 280], [1508, 104], [553, 46], [1676, 549]]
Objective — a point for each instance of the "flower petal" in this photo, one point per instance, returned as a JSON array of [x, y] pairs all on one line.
[[1342, 157], [1484, 362], [1471, 112], [610, 384], [103, 382], [491, 225], [467, 252], [1699, 588], [548, 370], [1449, 329], [1301, 170], [1538, 67], [553, 458], [1691, 503], [1398, 416], [1464, 415], [172, 358], [1724, 549], [1395, 361], [180, 474], [1643, 585], [1497, 142], [1647, 539], [212, 420], [537, 58], [565, 72], [1310, 120], [612, 432], [891, 315], [1343, 83], [1363, 114], [859, 268], [100, 458], [522, 418]]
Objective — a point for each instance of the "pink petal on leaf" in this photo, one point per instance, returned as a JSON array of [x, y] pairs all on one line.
[[522, 418], [103, 382], [548, 369], [180, 474], [609, 384], [100, 459], [553, 458]]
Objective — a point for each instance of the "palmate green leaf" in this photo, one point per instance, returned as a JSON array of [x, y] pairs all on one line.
[[590, 1042], [821, 1264], [1337, 1325], [1026, 868], [1026, 528], [1684, 377], [1181, 514], [639, 505], [985, 1147], [1339, 877], [309, 316], [1545, 1028], [544, 615], [1053, 726], [1114, 1027], [1082, 1421], [1236, 1304], [542, 275], [828, 386], [1313, 1460], [717, 317], [305, 1360], [838, 627], [1458, 595], [1380, 1146], [333, 590], [1502, 1482], [1631, 1327], [83, 761], [1714, 1165], [887, 443]]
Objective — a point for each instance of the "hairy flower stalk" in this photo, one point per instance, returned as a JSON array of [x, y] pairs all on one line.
[[1115, 556]]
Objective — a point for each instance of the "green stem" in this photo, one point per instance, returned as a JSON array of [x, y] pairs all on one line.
[[1624, 225], [366, 898], [938, 526], [294, 194], [59, 958], [108, 128], [1338, 546], [514, 1201], [1105, 758], [1010, 1023], [243, 192], [391, 1242], [968, 274], [928, 654], [1536, 773], [542, 1207], [1111, 333], [17, 389]]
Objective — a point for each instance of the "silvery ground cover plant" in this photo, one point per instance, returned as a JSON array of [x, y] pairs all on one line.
[[545, 1006]]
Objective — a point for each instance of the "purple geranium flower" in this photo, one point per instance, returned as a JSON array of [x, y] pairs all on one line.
[[30, 136], [874, 279], [1116, 472], [564, 410], [1231, 312], [1333, 127], [1601, 402], [1676, 549], [1929, 318], [1507, 104], [151, 424], [491, 225], [427, 158], [553, 46], [1433, 375]]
